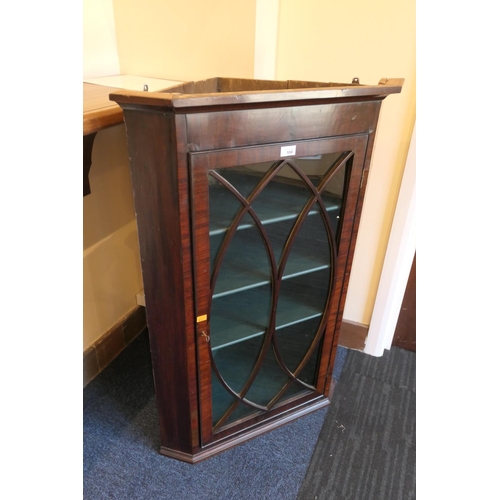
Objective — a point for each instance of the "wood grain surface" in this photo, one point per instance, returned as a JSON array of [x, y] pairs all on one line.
[[174, 140], [98, 111]]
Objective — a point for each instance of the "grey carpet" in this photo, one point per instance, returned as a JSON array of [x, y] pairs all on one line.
[[366, 449], [121, 442]]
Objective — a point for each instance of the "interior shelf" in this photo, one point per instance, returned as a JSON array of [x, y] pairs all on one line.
[[235, 364], [246, 263], [279, 201], [239, 317]]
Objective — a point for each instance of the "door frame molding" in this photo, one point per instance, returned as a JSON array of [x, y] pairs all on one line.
[[397, 263]]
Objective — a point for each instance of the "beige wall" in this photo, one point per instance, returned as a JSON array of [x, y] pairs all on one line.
[[335, 40], [100, 55], [157, 38], [111, 265], [185, 40], [319, 39]]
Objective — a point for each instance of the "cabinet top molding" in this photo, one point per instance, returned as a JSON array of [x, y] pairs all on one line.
[[239, 92]]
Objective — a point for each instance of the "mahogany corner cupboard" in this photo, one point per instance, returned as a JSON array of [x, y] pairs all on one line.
[[248, 195]]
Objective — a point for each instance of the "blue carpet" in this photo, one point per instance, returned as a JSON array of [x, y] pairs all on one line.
[[121, 443]]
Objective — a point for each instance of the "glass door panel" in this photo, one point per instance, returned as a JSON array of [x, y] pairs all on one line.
[[274, 230]]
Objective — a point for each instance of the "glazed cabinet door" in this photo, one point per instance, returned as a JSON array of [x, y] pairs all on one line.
[[271, 231]]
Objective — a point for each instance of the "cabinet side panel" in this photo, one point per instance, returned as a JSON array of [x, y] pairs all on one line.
[[228, 129], [161, 201], [185, 196]]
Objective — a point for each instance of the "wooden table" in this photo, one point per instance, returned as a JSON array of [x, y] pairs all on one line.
[[99, 112]]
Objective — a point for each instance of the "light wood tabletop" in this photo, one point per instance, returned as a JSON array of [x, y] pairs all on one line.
[[98, 111]]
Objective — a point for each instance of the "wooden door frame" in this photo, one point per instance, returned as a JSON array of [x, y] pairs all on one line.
[[397, 263], [200, 162]]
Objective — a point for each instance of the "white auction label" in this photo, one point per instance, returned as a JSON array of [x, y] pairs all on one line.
[[288, 150]]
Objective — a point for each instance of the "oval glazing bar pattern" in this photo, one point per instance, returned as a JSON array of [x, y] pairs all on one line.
[[274, 230]]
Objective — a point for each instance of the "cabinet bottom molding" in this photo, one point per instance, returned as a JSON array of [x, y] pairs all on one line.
[[221, 446]]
